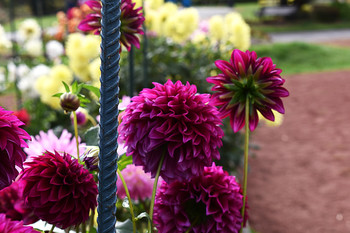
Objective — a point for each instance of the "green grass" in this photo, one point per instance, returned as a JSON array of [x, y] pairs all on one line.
[[47, 21], [248, 12], [299, 57], [297, 26]]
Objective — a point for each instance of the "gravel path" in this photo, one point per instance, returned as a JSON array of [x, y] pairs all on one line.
[[299, 178]]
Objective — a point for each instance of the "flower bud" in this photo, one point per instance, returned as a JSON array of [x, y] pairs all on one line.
[[69, 102], [91, 158]]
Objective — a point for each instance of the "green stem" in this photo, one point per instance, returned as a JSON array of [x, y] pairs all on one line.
[[245, 171], [53, 227], [91, 119], [76, 134], [154, 193], [92, 218], [192, 224], [83, 227], [129, 199], [77, 228]]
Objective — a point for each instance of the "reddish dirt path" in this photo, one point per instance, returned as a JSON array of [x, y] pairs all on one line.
[[299, 180]]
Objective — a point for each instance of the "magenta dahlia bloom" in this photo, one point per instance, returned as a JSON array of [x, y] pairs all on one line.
[[131, 22], [13, 206], [9, 226], [140, 184], [58, 189], [11, 143], [210, 202], [92, 22], [173, 121], [247, 78]]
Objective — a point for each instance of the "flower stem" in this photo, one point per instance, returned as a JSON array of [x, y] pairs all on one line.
[[76, 134], [129, 199], [245, 169], [53, 227], [92, 219], [91, 119], [154, 193], [77, 228], [83, 227], [192, 224]]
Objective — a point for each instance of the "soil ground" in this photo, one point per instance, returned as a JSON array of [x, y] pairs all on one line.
[[299, 179]]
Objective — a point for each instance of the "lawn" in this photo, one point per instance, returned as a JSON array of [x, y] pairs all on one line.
[[46, 21], [299, 57], [248, 11]]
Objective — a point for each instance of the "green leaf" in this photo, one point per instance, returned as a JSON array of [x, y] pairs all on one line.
[[93, 230], [92, 136], [57, 95], [124, 227], [123, 161], [95, 90], [66, 86], [75, 88], [143, 215]]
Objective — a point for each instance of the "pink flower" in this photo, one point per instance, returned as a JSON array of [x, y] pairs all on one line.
[[210, 202], [58, 189], [50, 142], [131, 22], [124, 103], [174, 121], [9, 226], [11, 140], [82, 117], [13, 206], [247, 78], [23, 116], [139, 183]]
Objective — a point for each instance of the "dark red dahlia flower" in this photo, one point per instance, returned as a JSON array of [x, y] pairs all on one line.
[[59, 189], [208, 203], [131, 22], [9, 226], [173, 121], [247, 78], [11, 143], [13, 206]]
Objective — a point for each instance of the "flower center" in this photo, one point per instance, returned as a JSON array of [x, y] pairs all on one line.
[[196, 212], [245, 88]]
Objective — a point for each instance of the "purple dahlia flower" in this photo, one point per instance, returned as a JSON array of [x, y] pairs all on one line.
[[13, 206], [59, 189], [11, 143], [131, 22], [208, 203], [139, 183], [9, 226], [174, 121], [247, 78]]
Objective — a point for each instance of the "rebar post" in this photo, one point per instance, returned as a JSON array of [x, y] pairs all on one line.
[[110, 57]]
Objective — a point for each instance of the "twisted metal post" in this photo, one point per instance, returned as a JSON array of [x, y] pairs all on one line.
[[110, 57]]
